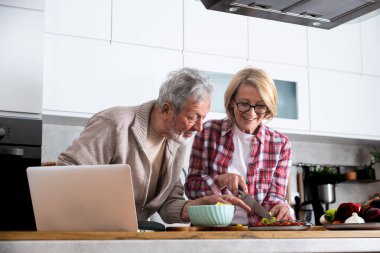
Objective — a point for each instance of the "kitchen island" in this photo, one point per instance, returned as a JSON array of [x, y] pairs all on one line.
[[317, 239]]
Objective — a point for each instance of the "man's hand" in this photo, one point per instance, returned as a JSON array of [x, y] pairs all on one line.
[[212, 200]]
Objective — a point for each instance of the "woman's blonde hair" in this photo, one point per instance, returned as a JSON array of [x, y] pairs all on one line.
[[259, 79]]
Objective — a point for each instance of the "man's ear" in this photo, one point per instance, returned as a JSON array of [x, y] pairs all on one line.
[[165, 108]]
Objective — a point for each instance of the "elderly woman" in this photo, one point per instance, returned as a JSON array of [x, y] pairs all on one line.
[[241, 151]]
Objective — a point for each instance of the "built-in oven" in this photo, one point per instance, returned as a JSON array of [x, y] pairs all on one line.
[[20, 147]]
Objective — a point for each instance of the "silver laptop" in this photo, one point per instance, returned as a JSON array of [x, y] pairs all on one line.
[[83, 198]]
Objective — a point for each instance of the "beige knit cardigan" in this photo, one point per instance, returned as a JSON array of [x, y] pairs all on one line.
[[118, 136]]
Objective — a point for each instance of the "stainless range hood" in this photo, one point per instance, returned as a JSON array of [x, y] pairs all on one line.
[[325, 14]]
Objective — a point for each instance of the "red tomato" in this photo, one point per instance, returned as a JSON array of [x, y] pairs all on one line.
[[286, 223]]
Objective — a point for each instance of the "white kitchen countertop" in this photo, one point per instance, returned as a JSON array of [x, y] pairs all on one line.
[[198, 246], [316, 240]]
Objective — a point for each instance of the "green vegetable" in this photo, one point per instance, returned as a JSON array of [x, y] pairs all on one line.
[[330, 215], [268, 221]]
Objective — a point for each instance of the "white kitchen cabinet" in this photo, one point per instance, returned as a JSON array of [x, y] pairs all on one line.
[[21, 52], [277, 42], [84, 18], [336, 49], [220, 70], [214, 32], [214, 63], [344, 104], [299, 77], [148, 22], [370, 31], [83, 76], [29, 4]]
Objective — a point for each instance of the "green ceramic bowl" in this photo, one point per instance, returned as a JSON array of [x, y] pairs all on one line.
[[211, 215]]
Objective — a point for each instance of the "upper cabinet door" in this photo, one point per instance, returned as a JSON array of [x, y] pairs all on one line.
[[214, 32], [21, 51], [86, 76], [84, 18], [344, 104], [370, 45], [148, 22], [29, 4], [336, 49], [293, 98], [277, 42]]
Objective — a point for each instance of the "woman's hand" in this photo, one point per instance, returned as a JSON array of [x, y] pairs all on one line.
[[281, 212], [212, 200], [232, 181]]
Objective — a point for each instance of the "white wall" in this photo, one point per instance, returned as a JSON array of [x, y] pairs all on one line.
[[21, 56]]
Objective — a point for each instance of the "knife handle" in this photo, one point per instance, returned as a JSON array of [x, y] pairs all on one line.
[[241, 192]]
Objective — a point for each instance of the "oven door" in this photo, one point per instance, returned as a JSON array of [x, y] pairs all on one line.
[[16, 211]]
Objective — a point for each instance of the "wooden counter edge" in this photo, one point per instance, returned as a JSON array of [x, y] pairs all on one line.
[[14, 236]]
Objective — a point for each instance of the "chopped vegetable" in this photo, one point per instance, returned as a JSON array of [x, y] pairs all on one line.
[[323, 220], [330, 215], [280, 223], [239, 225], [221, 204], [345, 210], [267, 221], [372, 215]]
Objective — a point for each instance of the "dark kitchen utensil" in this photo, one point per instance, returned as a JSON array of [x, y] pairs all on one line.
[[150, 225], [253, 204]]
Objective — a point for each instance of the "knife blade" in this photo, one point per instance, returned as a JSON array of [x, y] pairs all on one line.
[[254, 205]]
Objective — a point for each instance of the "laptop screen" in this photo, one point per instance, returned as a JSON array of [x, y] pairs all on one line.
[[83, 198]]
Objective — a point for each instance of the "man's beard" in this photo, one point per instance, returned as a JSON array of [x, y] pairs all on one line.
[[179, 138]]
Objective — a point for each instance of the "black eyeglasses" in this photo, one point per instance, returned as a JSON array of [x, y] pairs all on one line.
[[245, 107]]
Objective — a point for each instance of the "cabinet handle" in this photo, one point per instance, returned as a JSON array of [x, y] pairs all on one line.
[[11, 151]]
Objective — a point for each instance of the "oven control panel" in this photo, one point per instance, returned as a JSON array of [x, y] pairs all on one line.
[[20, 131], [3, 132]]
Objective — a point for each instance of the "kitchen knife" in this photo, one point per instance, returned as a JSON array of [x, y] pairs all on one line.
[[254, 205]]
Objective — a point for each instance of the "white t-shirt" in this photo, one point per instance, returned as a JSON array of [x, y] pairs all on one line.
[[155, 148], [239, 164]]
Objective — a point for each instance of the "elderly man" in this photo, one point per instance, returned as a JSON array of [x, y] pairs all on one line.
[[151, 138]]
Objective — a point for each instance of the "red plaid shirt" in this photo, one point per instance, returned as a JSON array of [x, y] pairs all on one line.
[[267, 171]]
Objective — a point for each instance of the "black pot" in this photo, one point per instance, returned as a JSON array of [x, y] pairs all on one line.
[[366, 173]]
